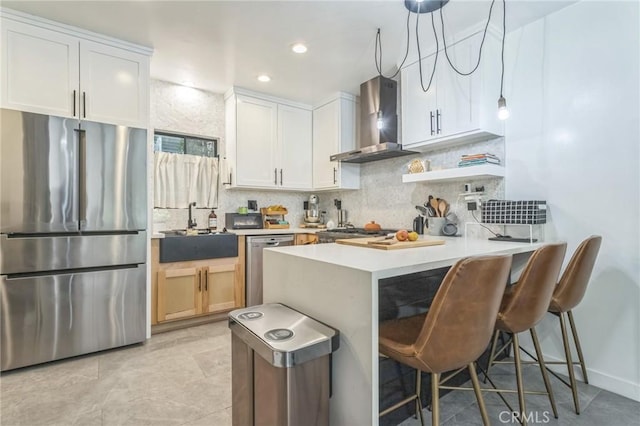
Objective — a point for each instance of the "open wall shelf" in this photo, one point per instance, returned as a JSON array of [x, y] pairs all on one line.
[[458, 173]]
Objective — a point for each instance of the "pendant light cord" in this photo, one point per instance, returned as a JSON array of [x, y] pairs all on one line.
[[504, 33], [435, 61], [484, 35], [378, 51]]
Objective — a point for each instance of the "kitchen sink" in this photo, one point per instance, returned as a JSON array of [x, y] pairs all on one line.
[[183, 232], [178, 247]]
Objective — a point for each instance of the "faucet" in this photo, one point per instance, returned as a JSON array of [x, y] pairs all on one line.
[[192, 223]]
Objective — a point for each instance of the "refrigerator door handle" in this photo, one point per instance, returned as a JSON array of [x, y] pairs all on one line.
[[82, 177]]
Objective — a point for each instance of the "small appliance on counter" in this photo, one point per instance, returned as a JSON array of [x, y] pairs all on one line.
[[342, 214], [312, 211], [243, 221]]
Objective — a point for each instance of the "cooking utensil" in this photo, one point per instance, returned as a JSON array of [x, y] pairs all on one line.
[[423, 210], [434, 205], [442, 207]]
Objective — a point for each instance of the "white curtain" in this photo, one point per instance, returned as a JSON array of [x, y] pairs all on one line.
[[182, 178]]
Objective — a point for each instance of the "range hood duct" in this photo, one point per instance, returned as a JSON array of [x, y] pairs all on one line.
[[378, 124]]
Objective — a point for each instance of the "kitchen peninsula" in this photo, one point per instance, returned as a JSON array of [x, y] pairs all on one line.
[[338, 285]]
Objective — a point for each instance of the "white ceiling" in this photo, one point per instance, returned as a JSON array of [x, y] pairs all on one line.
[[219, 44]]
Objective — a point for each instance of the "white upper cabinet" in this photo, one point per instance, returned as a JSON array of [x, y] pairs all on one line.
[[39, 70], [114, 84], [268, 142], [456, 108], [334, 131], [256, 142], [50, 68], [294, 138]]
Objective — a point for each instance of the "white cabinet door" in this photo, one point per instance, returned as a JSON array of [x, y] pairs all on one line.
[[39, 70], [256, 142], [334, 131], [456, 108], [419, 121], [114, 84], [454, 112], [326, 143], [294, 147]]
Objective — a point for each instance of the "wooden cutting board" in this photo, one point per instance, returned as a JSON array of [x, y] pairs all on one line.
[[375, 242]]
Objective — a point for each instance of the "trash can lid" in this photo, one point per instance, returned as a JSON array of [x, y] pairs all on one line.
[[283, 336]]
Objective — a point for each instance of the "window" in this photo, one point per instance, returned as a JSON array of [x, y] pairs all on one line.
[[185, 144]]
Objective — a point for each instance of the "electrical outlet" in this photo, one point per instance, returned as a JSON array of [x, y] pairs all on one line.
[[474, 201]]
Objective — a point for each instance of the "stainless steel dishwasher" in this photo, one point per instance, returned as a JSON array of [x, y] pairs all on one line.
[[254, 262]]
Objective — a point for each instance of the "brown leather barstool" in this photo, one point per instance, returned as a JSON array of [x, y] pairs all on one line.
[[524, 304], [566, 296], [454, 333]]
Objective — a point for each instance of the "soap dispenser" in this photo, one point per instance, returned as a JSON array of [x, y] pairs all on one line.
[[213, 221]]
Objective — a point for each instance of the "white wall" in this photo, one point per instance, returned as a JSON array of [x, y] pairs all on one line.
[[572, 85]]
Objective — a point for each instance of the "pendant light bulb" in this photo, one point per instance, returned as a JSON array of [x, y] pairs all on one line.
[[380, 121], [503, 112]]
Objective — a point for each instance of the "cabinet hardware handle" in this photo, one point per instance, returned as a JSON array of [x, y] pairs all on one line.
[[438, 121], [82, 176], [335, 178], [74, 103], [84, 104], [275, 176], [206, 280], [200, 281], [431, 116], [280, 177]]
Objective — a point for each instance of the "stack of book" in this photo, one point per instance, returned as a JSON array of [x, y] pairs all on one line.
[[475, 159]]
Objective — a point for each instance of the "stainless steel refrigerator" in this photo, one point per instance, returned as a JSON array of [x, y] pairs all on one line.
[[73, 218]]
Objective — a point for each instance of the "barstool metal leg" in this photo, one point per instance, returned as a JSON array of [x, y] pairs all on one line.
[[476, 389], [574, 331], [520, 385], [491, 354], [567, 353], [419, 397], [435, 399], [543, 370]]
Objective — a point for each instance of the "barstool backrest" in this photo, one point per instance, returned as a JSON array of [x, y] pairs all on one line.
[[531, 296], [460, 321], [573, 283]]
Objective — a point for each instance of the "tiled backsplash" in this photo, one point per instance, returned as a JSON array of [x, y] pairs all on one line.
[[384, 198], [391, 203]]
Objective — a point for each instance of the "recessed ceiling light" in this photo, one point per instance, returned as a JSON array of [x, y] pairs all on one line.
[[264, 78], [299, 48]]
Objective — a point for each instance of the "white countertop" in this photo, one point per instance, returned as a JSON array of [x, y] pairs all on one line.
[[260, 231], [388, 263]]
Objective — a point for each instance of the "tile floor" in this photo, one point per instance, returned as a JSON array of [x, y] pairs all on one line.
[[184, 378], [598, 407], [176, 378]]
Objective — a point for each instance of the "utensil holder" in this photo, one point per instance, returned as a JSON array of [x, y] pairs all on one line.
[[435, 225]]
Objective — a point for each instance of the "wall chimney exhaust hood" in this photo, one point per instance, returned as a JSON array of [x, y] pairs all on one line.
[[378, 124]]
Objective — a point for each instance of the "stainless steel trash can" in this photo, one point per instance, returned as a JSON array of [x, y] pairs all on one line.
[[288, 382]]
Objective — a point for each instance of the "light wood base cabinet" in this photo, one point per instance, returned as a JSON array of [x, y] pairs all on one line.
[[304, 239], [185, 290]]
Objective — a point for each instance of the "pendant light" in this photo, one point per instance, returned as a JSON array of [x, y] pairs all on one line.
[[503, 112], [429, 6]]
